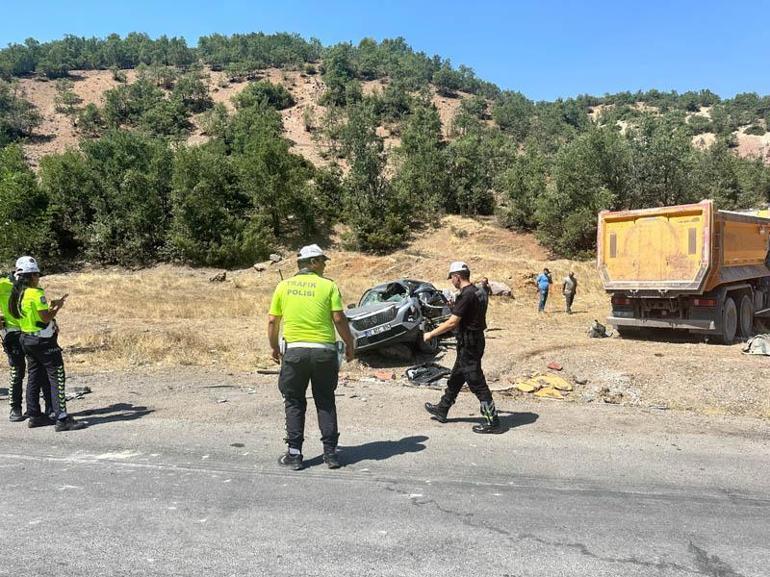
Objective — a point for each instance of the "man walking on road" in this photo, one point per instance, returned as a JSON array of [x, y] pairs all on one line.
[[468, 317], [543, 282], [569, 288], [311, 307]]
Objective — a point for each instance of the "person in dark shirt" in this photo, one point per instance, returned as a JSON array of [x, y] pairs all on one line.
[[469, 318], [483, 291]]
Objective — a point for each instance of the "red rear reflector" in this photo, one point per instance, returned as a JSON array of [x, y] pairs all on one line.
[[704, 302], [621, 301]]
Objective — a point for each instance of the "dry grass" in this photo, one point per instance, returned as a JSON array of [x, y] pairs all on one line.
[[170, 317]]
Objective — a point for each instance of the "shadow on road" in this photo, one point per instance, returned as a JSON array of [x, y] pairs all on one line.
[[508, 419], [113, 413], [375, 451]]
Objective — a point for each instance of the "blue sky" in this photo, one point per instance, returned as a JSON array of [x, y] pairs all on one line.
[[543, 49]]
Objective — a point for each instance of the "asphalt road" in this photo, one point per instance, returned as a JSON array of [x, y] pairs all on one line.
[[604, 493]]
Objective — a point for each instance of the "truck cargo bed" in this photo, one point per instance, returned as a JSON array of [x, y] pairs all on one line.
[[688, 249]]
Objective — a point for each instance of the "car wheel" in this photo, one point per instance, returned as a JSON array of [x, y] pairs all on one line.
[[429, 348]]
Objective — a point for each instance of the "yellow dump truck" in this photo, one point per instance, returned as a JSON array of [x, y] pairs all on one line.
[[688, 267]]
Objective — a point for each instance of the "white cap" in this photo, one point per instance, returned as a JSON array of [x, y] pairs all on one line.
[[311, 251], [458, 266], [26, 264]]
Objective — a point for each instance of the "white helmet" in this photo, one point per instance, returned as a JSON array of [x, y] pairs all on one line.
[[26, 265]]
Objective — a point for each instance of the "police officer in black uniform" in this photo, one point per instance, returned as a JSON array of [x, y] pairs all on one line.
[[468, 317]]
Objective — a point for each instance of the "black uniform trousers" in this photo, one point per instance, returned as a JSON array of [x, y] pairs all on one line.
[[17, 367], [45, 369], [319, 367], [467, 369]]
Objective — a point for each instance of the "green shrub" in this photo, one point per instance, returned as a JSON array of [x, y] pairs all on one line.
[[23, 209], [192, 92], [211, 214], [274, 95], [18, 116]]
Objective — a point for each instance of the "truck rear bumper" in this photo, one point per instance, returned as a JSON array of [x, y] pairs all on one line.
[[695, 325]]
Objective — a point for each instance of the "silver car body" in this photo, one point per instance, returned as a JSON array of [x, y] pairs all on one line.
[[396, 312]]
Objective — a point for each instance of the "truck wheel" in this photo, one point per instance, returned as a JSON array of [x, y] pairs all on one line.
[[747, 317], [729, 321]]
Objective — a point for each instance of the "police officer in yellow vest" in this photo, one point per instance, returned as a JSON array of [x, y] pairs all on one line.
[[311, 307], [17, 365], [39, 339]]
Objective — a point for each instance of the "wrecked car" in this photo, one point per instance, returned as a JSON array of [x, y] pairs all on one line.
[[399, 311]]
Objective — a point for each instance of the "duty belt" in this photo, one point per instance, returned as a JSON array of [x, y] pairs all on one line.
[[45, 333], [301, 345]]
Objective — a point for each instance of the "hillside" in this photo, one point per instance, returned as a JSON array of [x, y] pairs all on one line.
[[56, 133], [135, 150]]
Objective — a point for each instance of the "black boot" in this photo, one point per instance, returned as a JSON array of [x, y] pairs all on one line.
[[491, 424], [331, 459], [293, 462], [16, 415], [491, 428], [438, 412], [68, 424], [40, 421]]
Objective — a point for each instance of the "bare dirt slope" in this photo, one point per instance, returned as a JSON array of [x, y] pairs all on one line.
[[167, 317], [56, 133]]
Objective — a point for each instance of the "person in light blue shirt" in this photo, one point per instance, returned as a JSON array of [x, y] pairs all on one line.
[[543, 282]]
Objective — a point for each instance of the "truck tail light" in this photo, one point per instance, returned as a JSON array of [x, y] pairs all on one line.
[[621, 301], [704, 302]]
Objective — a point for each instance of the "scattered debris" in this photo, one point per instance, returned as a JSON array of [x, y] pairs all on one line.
[[219, 277], [385, 375], [237, 445], [658, 354], [757, 345], [426, 373], [598, 331], [500, 289], [618, 393], [275, 258], [259, 267], [221, 400], [538, 382], [268, 372], [77, 392], [580, 380], [549, 393], [553, 365], [527, 387]]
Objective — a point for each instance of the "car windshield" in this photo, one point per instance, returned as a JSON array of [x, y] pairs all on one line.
[[392, 293]]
